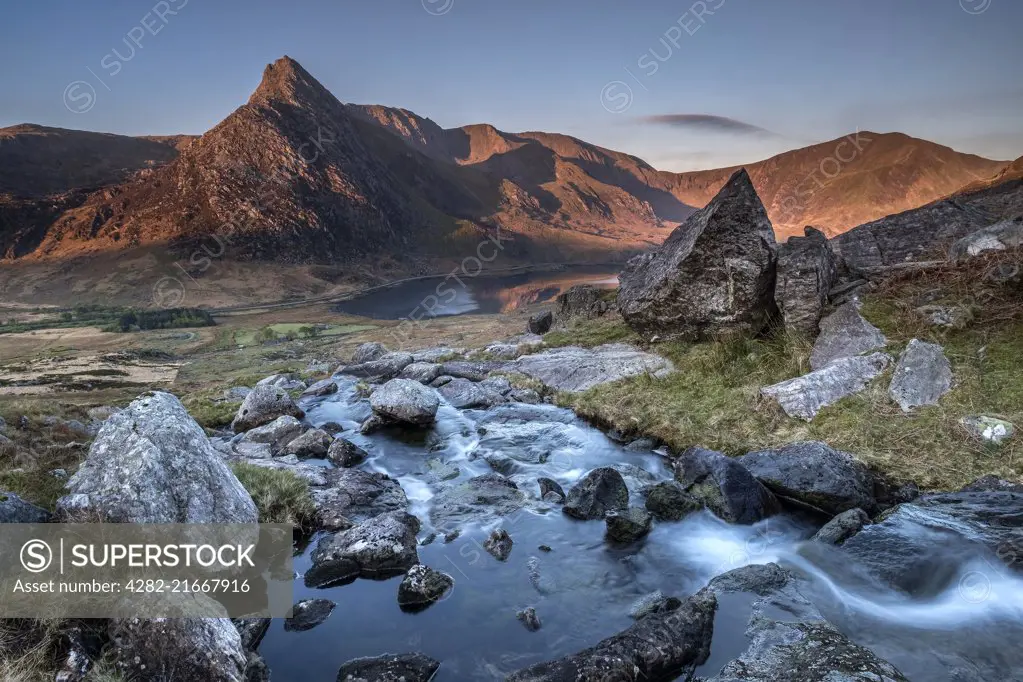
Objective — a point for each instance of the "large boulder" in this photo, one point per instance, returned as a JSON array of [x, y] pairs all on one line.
[[805, 396], [844, 334], [182, 649], [540, 323], [406, 402], [599, 492], [368, 352], [381, 547], [922, 375], [574, 369], [320, 389], [629, 525], [312, 443], [277, 434], [423, 372], [357, 495], [1007, 234], [815, 475], [381, 369], [582, 300], [667, 501], [465, 394], [806, 273], [389, 668], [13, 509], [724, 486], [713, 276], [473, 371], [263, 405], [151, 463]]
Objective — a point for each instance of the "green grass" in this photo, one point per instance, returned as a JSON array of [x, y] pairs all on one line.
[[208, 408], [248, 337], [280, 496], [590, 333]]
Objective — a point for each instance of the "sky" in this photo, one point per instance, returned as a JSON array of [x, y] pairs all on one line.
[[684, 85]]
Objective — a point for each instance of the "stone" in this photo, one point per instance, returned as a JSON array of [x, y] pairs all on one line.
[[438, 354], [499, 544], [655, 602], [524, 395], [842, 527], [286, 381], [485, 497], [389, 668], [382, 369], [573, 369], [724, 486], [815, 475], [368, 352], [423, 372], [501, 351], [236, 393], [922, 375], [263, 405], [499, 385], [406, 402], [600, 491], [308, 613], [380, 547], [990, 429], [1007, 234], [151, 463], [184, 649], [583, 300], [805, 396], [713, 276], [473, 371], [667, 501], [356, 494], [806, 273], [992, 483], [529, 619], [13, 509], [950, 317], [628, 526], [252, 631], [845, 334], [540, 323], [312, 443], [422, 586], [320, 389], [277, 434], [549, 485], [464, 394], [440, 470], [345, 454], [440, 381]]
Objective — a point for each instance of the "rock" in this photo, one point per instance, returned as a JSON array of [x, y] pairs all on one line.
[[344, 453], [13, 509], [951, 317], [655, 602], [237, 393], [803, 397], [423, 372], [847, 291], [502, 351], [473, 371], [381, 547], [724, 486], [464, 394], [789, 639], [1007, 234], [524, 395], [540, 323], [548, 485], [628, 526], [389, 668], [922, 375], [842, 527], [576, 369], [440, 381], [151, 463], [641, 445], [499, 544], [406, 402], [309, 613], [3, 425], [382, 369], [582, 300], [442, 471], [252, 631], [991, 483], [422, 586], [263, 405], [368, 352], [667, 501], [488, 497], [713, 276], [438, 354], [182, 649], [286, 381], [499, 385], [662, 646], [529, 619], [806, 273], [600, 491], [5, 441], [990, 429], [277, 434], [320, 389], [845, 334], [357, 495], [312, 443], [815, 475], [333, 428]]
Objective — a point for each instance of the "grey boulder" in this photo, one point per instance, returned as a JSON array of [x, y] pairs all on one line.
[[312, 443], [667, 501], [575, 369], [367, 352], [381, 547], [724, 486], [922, 375], [406, 402], [277, 434], [805, 396], [389, 668], [599, 492], [309, 613], [263, 405], [465, 394], [423, 372], [184, 649], [345, 454], [321, 388], [1007, 234], [422, 586], [13, 509], [842, 527], [629, 525], [480, 498], [381, 369], [806, 273], [845, 333], [583, 300]]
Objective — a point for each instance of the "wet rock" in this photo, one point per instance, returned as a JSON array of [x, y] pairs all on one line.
[[381, 547], [356, 494], [528, 617], [499, 544], [13, 509], [540, 323], [345, 454], [151, 463], [600, 491], [553, 498], [713, 276], [548, 485], [442, 471], [309, 613], [389, 668], [473, 371], [842, 527], [1007, 234], [805, 396], [575, 369], [724, 486], [406, 402], [263, 405], [333, 428], [655, 602], [286, 381], [666, 645], [628, 526], [499, 385], [251, 631], [440, 381], [845, 334], [312, 443], [922, 375], [423, 372], [320, 389], [992, 483], [815, 475], [277, 434], [382, 369], [667, 501], [641, 445], [368, 352], [422, 586], [582, 300], [185, 649], [806, 273], [464, 394], [484, 497]]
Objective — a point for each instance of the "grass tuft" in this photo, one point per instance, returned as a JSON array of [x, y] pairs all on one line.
[[280, 496]]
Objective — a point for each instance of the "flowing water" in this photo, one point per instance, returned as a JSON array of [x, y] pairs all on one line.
[[483, 294], [966, 624]]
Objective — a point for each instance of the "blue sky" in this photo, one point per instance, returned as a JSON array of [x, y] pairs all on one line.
[[683, 85]]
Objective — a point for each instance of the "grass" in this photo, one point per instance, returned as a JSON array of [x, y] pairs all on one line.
[[280, 496], [590, 333], [29, 652], [209, 409], [248, 337]]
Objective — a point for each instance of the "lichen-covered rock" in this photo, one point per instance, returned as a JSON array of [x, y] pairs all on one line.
[[309, 613], [321, 388], [182, 649], [582, 300], [288, 382], [805, 396], [600, 491], [422, 586], [356, 494], [667, 501], [473, 371], [529, 619], [845, 334], [724, 486], [312, 443], [483, 497], [368, 352], [576, 369], [381, 547], [713, 276], [922, 375], [990, 429], [540, 323], [277, 434], [423, 372], [499, 544], [629, 525], [263, 405], [806, 273], [151, 463], [389, 668], [465, 394], [381, 369], [1007, 234], [842, 527], [345, 454], [406, 402]]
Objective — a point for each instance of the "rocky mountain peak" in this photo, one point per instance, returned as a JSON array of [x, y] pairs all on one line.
[[286, 81]]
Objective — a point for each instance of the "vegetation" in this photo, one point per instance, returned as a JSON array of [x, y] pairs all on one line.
[[174, 318], [590, 333], [29, 651], [110, 319], [280, 496]]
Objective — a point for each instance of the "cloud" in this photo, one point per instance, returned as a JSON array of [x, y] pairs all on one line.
[[708, 123]]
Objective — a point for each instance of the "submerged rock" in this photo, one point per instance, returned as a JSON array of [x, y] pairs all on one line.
[[406, 402], [806, 273], [345, 454], [713, 276], [464, 394], [576, 369], [262, 406], [724, 486], [309, 613], [600, 491], [389, 668], [805, 396], [381, 547], [422, 586], [529, 619], [499, 544], [842, 527], [922, 375], [628, 526], [484, 497], [845, 334]]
